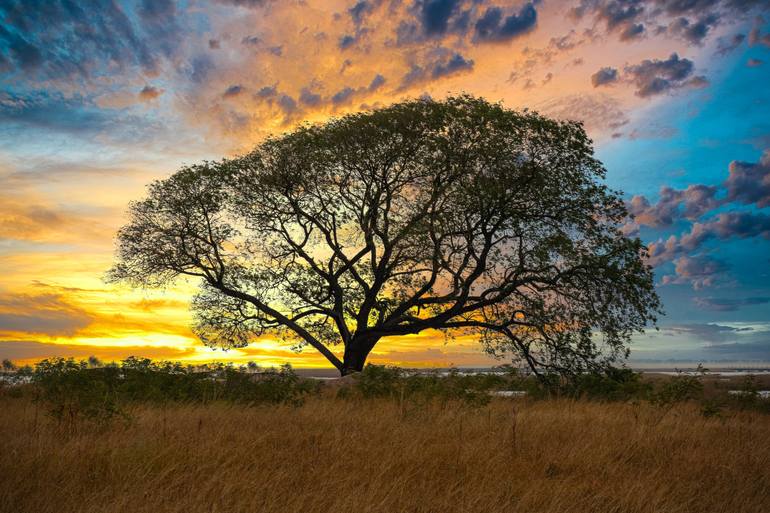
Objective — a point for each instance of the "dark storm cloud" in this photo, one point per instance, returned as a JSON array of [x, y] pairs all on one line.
[[604, 76], [653, 76], [495, 26], [729, 304]]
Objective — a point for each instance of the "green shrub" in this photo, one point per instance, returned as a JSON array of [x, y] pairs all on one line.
[[682, 387], [73, 390], [379, 381], [610, 384]]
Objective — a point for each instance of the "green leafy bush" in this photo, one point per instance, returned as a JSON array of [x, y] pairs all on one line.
[[73, 390], [682, 387]]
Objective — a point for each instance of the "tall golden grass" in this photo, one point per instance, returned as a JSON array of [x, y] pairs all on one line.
[[333, 455]]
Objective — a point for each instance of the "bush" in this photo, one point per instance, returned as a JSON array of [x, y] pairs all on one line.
[[73, 390], [682, 387], [386, 381], [610, 384]]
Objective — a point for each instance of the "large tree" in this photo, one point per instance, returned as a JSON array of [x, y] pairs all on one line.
[[458, 215]]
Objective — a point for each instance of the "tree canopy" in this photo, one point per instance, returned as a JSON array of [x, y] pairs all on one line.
[[460, 216]]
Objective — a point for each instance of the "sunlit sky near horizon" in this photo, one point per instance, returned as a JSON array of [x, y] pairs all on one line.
[[99, 98]]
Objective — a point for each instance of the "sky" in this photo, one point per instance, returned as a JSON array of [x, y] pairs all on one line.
[[100, 97]]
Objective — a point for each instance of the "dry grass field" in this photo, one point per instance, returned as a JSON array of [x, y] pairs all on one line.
[[333, 455]]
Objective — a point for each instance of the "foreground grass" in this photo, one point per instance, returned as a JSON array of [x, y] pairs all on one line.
[[387, 456]]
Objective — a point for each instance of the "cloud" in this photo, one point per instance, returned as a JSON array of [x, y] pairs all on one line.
[[60, 40], [32, 350], [52, 111], [347, 41], [723, 226], [729, 304], [440, 63], [233, 91], [287, 104], [689, 20], [673, 204], [309, 98], [250, 4], [756, 37], [200, 67], [749, 182], [343, 95], [598, 112], [708, 332], [618, 16], [149, 93], [493, 26], [360, 10], [693, 32], [44, 314], [728, 45], [653, 76], [456, 63], [377, 82], [435, 14], [698, 271], [632, 31], [267, 92], [604, 76]]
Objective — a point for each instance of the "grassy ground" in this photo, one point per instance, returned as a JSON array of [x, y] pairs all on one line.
[[383, 455]]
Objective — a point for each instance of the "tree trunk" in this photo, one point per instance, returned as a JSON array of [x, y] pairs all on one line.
[[355, 355]]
